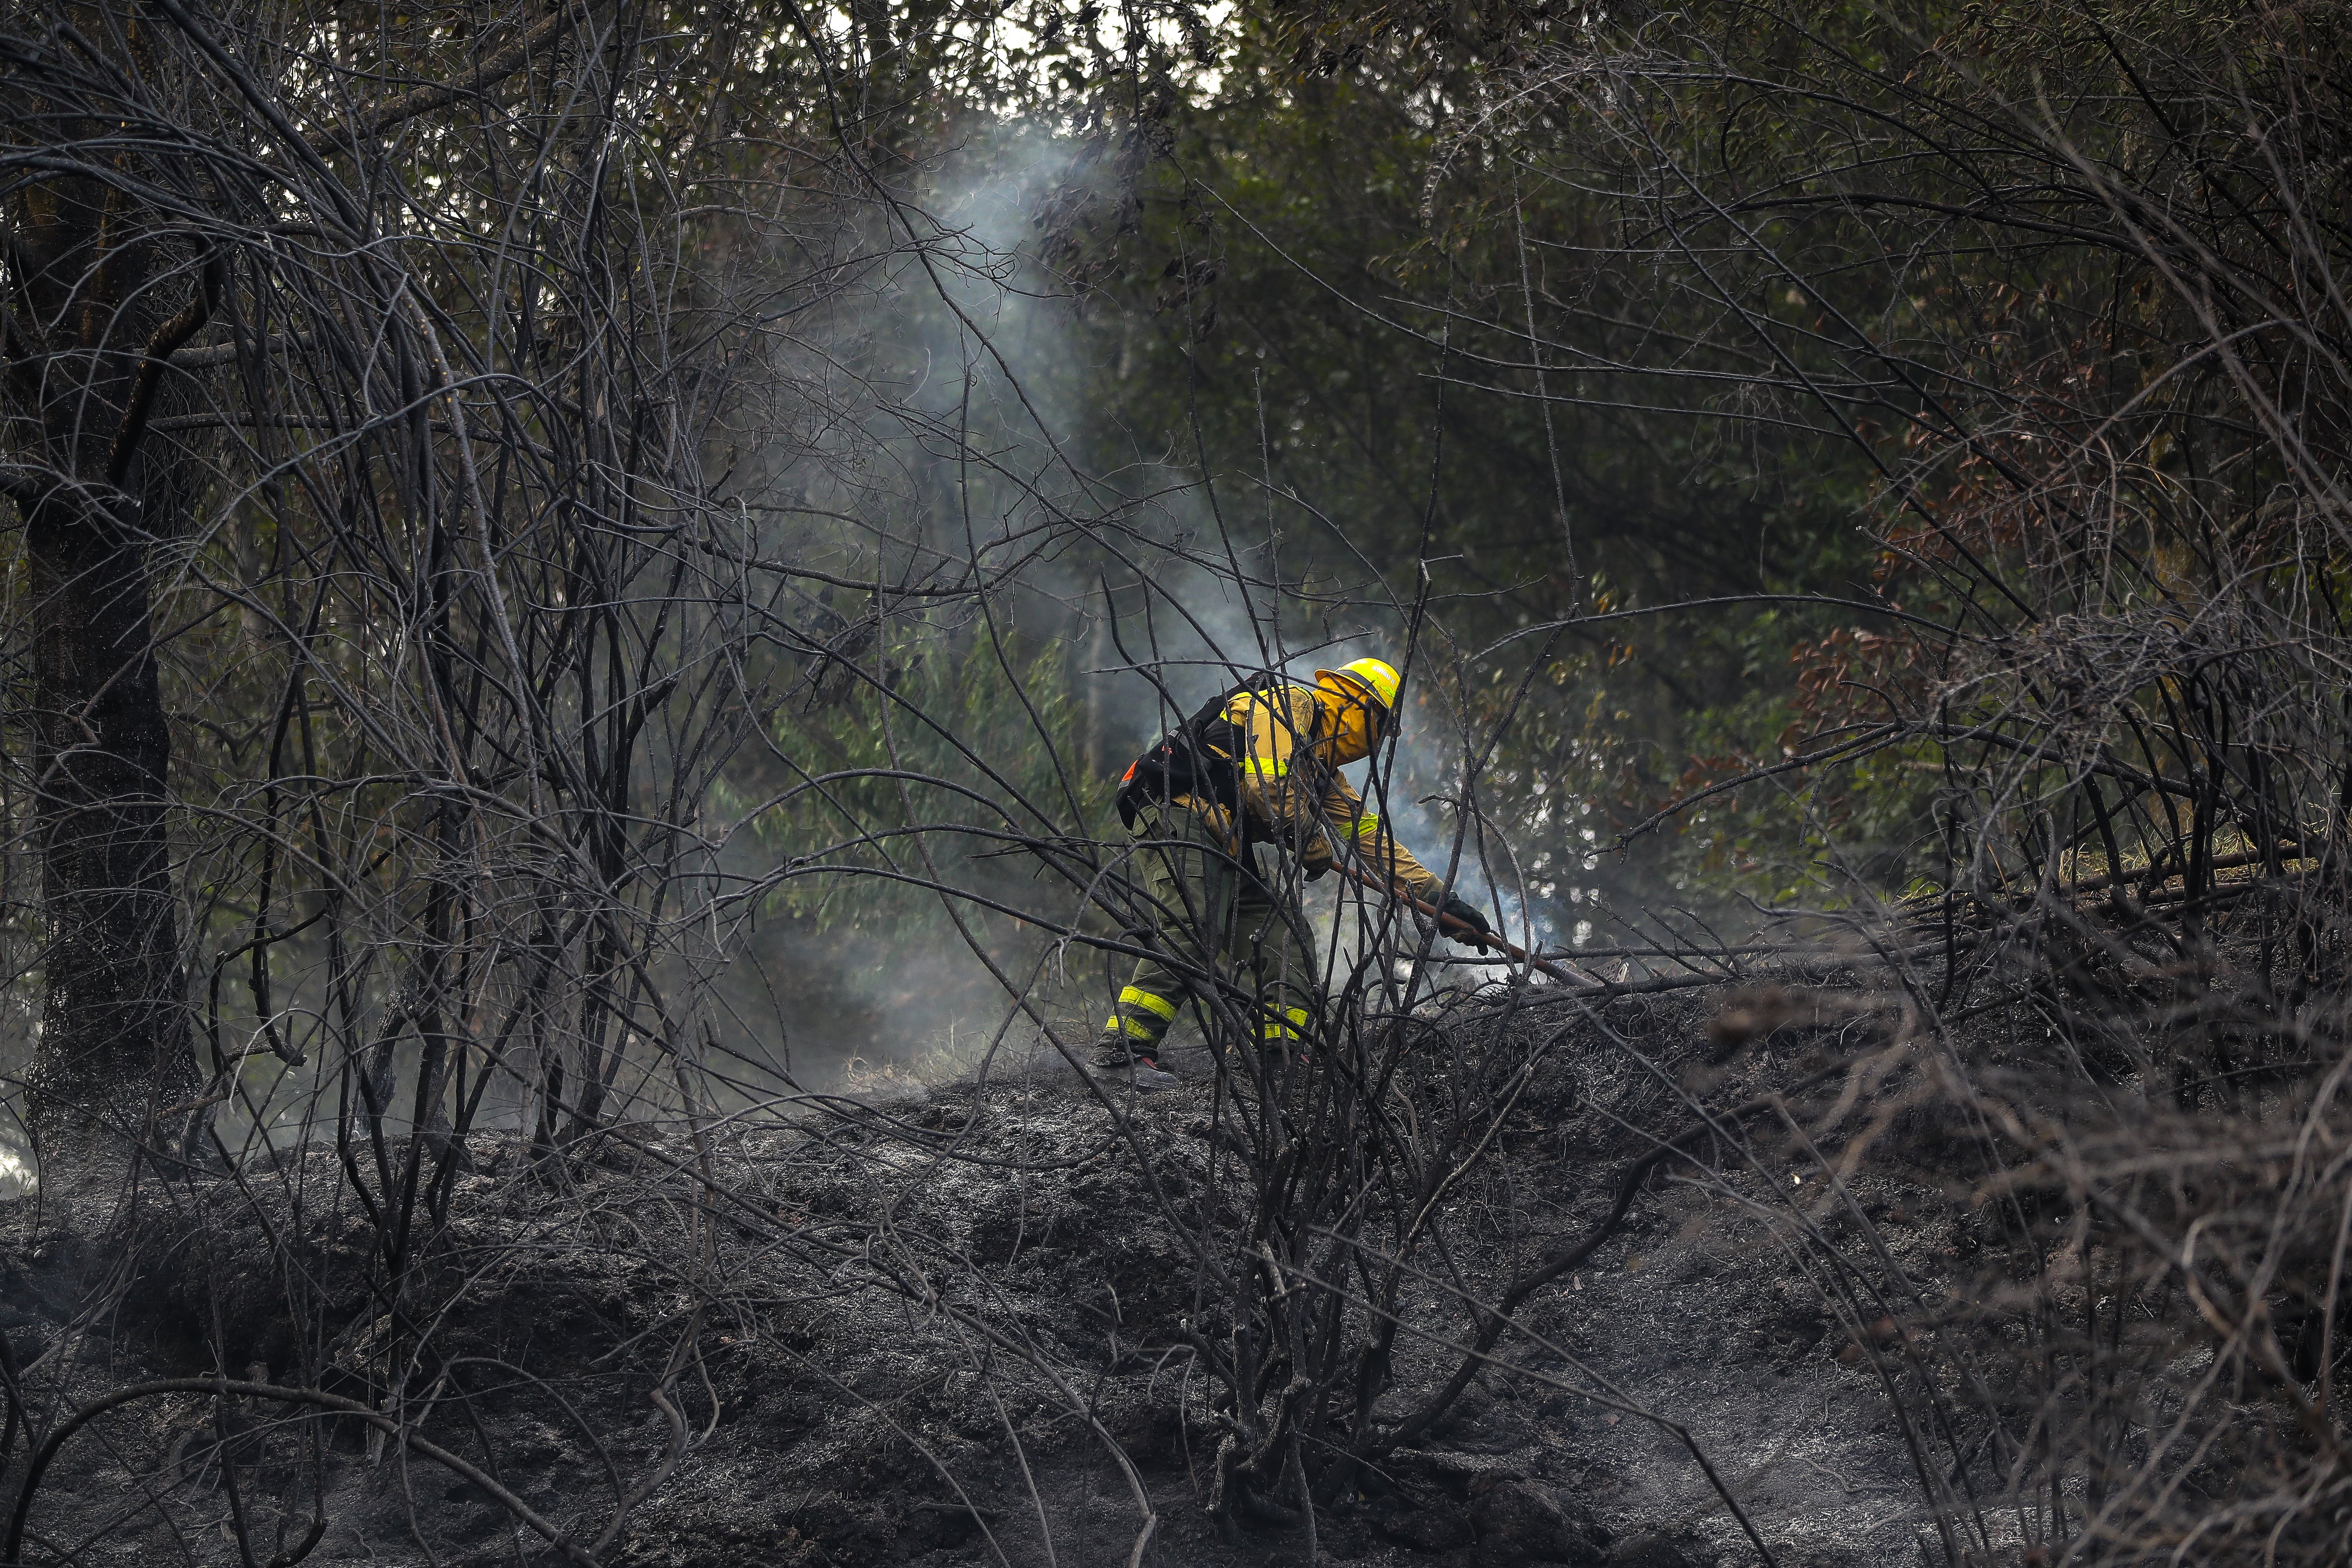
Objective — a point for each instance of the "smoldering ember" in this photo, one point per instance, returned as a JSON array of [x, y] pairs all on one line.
[[1197, 785]]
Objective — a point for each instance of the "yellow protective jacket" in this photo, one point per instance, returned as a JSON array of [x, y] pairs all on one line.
[[1291, 787]]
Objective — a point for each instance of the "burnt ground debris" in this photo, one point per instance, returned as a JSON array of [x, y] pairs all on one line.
[[927, 1327]]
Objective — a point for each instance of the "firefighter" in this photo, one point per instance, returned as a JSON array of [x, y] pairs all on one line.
[[1259, 765]]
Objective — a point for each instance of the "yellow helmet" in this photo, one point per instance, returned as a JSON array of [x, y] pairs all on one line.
[[1378, 679]]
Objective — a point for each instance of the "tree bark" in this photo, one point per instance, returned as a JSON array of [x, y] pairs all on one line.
[[114, 1042], [91, 320]]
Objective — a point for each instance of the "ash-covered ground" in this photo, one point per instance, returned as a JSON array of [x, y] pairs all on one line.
[[947, 1325]]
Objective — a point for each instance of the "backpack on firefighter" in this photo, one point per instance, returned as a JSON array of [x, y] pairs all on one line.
[[1196, 759]]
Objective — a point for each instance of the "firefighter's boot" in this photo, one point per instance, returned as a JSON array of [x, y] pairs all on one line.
[[1128, 1051]]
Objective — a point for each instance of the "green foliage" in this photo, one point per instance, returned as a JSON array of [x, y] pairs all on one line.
[[921, 761], [1525, 316]]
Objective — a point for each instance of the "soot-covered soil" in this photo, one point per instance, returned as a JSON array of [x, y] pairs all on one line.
[[919, 1328]]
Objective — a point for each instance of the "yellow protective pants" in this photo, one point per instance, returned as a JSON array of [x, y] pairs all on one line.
[[1215, 916]]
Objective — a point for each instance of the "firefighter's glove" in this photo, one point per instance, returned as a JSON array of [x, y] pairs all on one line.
[[1458, 908], [1220, 823], [1316, 859]]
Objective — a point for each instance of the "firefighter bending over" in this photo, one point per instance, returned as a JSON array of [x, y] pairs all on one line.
[[1258, 766]]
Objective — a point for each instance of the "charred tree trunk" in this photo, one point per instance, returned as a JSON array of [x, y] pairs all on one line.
[[91, 325], [113, 1030]]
